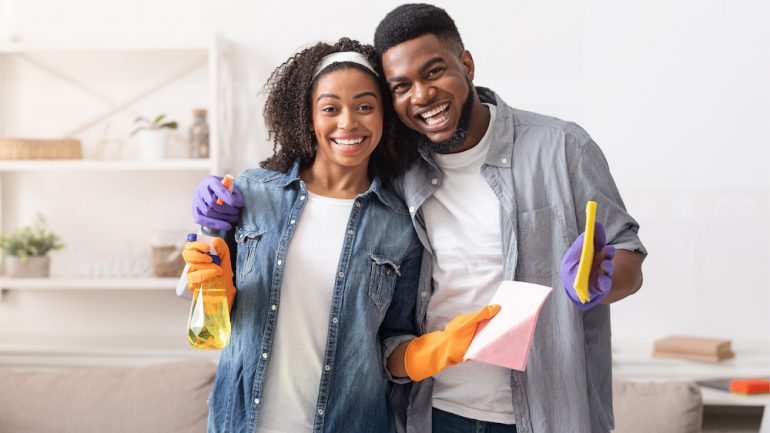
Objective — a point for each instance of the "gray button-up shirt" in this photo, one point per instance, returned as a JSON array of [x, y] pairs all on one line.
[[543, 171]]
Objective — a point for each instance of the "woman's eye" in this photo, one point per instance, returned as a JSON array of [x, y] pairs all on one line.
[[328, 109], [366, 107]]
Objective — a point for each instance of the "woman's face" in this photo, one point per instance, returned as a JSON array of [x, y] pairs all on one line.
[[347, 118]]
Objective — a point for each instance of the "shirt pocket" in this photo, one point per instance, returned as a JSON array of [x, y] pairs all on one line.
[[247, 239], [542, 233], [382, 280]]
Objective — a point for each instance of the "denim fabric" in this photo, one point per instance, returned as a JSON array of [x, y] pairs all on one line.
[[373, 299], [543, 171], [445, 422]]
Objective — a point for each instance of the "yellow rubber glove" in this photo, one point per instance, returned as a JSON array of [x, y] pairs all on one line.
[[201, 267], [429, 354]]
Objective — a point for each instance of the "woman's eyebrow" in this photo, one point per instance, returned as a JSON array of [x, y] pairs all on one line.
[[327, 95], [362, 94]]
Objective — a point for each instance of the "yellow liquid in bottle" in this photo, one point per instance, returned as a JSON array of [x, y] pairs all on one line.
[[209, 324]]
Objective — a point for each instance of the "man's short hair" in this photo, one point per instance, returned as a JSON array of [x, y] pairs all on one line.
[[413, 20]]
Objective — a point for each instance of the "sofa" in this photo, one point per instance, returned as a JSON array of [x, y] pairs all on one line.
[[659, 407], [163, 398], [172, 398]]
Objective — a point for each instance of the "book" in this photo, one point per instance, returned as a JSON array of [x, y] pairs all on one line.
[[693, 348], [747, 386]]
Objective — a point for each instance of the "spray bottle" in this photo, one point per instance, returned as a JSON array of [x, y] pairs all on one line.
[[208, 326]]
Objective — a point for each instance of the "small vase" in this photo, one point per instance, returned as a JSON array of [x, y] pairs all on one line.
[[152, 144], [33, 267]]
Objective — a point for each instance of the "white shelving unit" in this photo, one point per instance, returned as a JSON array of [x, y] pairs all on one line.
[[216, 53], [57, 284], [87, 283], [95, 165]]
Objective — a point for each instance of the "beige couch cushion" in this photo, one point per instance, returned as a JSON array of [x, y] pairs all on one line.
[[660, 407], [160, 398]]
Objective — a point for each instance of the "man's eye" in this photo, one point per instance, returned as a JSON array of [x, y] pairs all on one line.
[[400, 88], [435, 72]]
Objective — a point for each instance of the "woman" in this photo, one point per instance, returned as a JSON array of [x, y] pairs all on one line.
[[326, 262]]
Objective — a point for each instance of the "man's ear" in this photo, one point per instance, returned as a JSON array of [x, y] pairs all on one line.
[[467, 60]]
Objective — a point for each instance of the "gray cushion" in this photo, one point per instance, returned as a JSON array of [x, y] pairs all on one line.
[[165, 398], [660, 407]]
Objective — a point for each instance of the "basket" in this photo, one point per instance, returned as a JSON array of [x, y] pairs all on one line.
[[167, 260], [16, 148]]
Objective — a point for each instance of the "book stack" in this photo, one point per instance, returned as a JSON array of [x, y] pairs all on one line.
[[694, 348]]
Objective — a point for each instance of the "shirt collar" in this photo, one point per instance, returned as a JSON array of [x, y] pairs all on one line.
[[500, 148]]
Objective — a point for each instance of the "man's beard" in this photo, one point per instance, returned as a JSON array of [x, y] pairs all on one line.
[[461, 133]]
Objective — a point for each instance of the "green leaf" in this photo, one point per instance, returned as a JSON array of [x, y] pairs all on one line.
[[169, 125], [157, 120], [31, 241]]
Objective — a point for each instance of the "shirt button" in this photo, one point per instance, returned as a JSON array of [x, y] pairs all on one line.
[[334, 320], [327, 367], [411, 208], [264, 355], [302, 197], [434, 181], [320, 412], [350, 232], [505, 161], [273, 307], [358, 204], [280, 262], [292, 221], [341, 274], [256, 401], [424, 294]]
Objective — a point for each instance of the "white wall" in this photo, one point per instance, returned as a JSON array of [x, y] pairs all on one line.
[[676, 93]]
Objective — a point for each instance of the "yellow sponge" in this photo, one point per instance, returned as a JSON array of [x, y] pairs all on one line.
[[586, 255]]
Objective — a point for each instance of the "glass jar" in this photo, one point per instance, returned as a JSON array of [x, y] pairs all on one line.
[[199, 135]]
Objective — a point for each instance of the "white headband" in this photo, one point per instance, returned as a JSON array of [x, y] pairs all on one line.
[[343, 56]]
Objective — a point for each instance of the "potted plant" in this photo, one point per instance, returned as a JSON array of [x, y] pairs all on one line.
[[152, 136], [27, 250]]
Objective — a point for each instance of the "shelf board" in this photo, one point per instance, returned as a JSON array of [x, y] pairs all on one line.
[[32, 47], [37, 352], [54, 283], [105, 165]]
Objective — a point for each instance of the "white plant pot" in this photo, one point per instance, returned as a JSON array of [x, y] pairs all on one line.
[[152, 144], [33, 267]]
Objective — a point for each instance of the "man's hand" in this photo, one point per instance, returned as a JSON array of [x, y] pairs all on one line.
[[600, 280], [206, 211]]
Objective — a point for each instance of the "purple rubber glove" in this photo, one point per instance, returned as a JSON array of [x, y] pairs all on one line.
[[208, 213], [600, 280]]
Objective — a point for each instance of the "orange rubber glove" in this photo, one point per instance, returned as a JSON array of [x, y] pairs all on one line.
[[201, 267], [429, 354]]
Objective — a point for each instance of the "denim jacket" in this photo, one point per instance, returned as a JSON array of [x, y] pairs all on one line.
[[542, 170], [373, 300]]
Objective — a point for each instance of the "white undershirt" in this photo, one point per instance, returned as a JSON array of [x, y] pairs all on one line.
[[294, 372], [463, 224]]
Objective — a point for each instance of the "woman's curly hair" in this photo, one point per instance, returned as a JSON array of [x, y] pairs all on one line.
[[288, 111]]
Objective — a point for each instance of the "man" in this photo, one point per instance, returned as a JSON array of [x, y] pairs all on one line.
[[494, 185]]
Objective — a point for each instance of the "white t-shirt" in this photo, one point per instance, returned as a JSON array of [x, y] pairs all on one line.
[[463, 224], [294, 373]]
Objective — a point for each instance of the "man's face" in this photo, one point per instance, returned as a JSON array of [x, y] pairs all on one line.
[[431, 89]]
